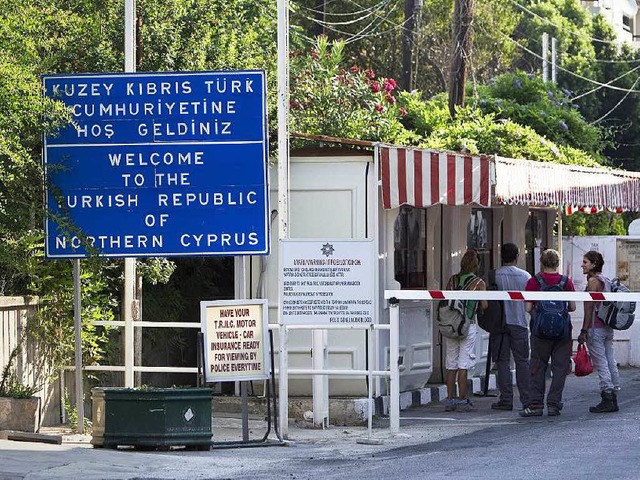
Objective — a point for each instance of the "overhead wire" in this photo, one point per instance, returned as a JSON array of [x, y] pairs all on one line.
[[577, 75], [365, 15], [370, 30], [616, 105], [546, 20], [576, 97], [342, 14]]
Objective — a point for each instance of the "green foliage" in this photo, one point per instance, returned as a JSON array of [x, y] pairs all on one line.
[[328, 99], [10, 386], [477, 132], [72, 415], [77, 36], [13, 388], [527, 100], [601, 223]]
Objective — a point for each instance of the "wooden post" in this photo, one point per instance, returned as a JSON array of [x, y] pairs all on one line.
[[460, 51], [407, 43]]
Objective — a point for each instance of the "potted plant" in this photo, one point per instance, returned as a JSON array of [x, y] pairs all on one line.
[[19, 408], [152, 417]]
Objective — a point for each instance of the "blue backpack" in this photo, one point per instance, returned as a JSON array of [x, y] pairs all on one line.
[[550, 319]]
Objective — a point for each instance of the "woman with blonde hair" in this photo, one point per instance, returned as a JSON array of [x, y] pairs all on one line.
[[460, 355]]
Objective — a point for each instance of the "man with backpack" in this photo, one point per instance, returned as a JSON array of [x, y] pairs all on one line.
[[550, 336], [514, 337]]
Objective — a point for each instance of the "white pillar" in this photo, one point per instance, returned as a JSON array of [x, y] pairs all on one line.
[[129, 263], [283, 195], [394, 356], [320, 382]]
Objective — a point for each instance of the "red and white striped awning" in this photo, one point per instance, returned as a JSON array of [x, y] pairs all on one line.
[[524, 182], [422, 178]]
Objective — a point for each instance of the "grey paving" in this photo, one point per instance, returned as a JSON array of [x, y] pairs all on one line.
[[480, 444]]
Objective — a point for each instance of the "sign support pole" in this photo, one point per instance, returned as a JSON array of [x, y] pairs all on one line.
[[240, 265], [77, 324], [129, 263], [283, 194]]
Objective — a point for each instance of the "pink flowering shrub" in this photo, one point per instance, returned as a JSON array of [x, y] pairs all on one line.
[[328, 99]]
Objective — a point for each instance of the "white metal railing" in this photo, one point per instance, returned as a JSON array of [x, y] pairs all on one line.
[[284, 372], [393, 373]]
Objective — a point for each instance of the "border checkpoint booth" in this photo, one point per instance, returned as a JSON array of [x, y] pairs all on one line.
[[422, 209]]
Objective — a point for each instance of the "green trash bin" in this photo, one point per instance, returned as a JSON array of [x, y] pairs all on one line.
[[157, 417]]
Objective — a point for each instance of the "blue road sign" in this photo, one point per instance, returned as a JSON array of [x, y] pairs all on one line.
[[158, 164]]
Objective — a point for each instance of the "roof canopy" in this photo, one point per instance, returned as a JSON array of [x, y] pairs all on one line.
[[422, 178], [524, 182], [426, 177]]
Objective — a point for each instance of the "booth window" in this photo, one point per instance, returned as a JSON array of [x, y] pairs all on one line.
[[410, 248], [479, 237], [535, 234]]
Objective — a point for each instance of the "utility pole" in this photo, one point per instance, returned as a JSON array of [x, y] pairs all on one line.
[[554, 75], [320, 14], [545, 57], [408, 32], [129, 263], [461, 50]]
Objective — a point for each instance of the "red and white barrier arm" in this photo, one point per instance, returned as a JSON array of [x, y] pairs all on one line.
[[510, 295]]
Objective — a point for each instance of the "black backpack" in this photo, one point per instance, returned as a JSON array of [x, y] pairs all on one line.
[[493, 319], [550, 319]]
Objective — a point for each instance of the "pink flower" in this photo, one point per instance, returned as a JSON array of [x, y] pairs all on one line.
[[375, 87], [370, 73], [402, 111], [379, 108], [295, 104], [354, 69], [390, 98], [389, 85]]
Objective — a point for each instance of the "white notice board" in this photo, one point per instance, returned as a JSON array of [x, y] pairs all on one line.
[[235, 340], [326, 281]]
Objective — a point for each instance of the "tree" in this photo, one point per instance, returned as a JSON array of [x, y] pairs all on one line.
[[78, 36], [372, 32]]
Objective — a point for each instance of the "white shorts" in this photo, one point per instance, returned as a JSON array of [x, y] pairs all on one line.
[[461, 352]]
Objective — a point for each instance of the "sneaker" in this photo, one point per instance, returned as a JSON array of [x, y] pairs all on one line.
[[617, 388], [553, 411], [531, 412], [502, 406], [450, 404], [464, 406]]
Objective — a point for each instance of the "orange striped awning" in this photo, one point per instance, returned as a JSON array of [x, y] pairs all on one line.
[[422, 178]]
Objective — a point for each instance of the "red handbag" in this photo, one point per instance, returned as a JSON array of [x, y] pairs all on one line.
[[582, 361]]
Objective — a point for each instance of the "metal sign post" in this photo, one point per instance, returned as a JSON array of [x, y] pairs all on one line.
[[77, 323], [238, 347]]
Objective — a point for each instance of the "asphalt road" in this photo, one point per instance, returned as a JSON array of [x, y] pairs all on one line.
[[432, 444]]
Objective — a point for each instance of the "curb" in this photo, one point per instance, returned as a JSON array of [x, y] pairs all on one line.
[[427, 395]]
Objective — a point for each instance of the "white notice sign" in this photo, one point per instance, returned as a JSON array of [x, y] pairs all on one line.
[[235, 340], [327, 281]]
